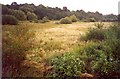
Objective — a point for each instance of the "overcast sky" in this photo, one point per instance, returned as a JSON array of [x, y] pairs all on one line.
[[102, 6]]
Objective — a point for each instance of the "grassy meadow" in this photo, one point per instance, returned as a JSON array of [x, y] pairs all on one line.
[[37, 45]]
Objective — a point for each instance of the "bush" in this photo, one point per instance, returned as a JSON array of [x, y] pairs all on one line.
[[103, 55], [73, 18], [65, 21], [31, 16], [45, 19], [20, 15], [98, 59], [95, 34], [66, 65], [9, 19]]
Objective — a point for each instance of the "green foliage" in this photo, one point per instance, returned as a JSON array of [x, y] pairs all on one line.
[[9, 19], [65, 21], [67, 64], [94, 34], [20, 15], [103, 55], [45, 19], [95, 55], [73, 18], [97, 33], [27, 8], [114, 44], [31, 16]]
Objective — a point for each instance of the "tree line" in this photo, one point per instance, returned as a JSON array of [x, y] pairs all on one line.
[[32, 12]]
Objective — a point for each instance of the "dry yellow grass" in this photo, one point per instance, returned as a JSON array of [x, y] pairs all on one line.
[[62, 36], [66, 34]]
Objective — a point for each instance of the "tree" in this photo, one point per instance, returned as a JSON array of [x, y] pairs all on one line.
[[9, 19], [41, 11], [27, 8], [31, 16], [5, 10], [20, 15], [14, 5]]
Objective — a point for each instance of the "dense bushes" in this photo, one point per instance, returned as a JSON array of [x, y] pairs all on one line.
[[45, 19], [68, 20], [95, 34], [66, 65], [31, 16], [95, 55], [9, 19], [99, 57], [101, 33], [20, 15], [73, 18], [65, 21], [110, 49]]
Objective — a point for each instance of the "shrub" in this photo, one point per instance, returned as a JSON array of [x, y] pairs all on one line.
[[73, 18], [103, 55], [9, 19], [66, 65], [20, 15], [31, 16], [114, 44], [97, 33], [97, 58], [115, 31], [65, 21], [45, 19], [91, 20], [94, 34]]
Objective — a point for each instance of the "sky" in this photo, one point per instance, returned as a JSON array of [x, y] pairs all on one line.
[[102, 6]]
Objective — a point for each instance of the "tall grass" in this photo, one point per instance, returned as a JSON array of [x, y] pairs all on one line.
[[16, 41]]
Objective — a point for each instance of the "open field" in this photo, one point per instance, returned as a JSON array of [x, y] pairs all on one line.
[[50, 39], [56, 42]]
